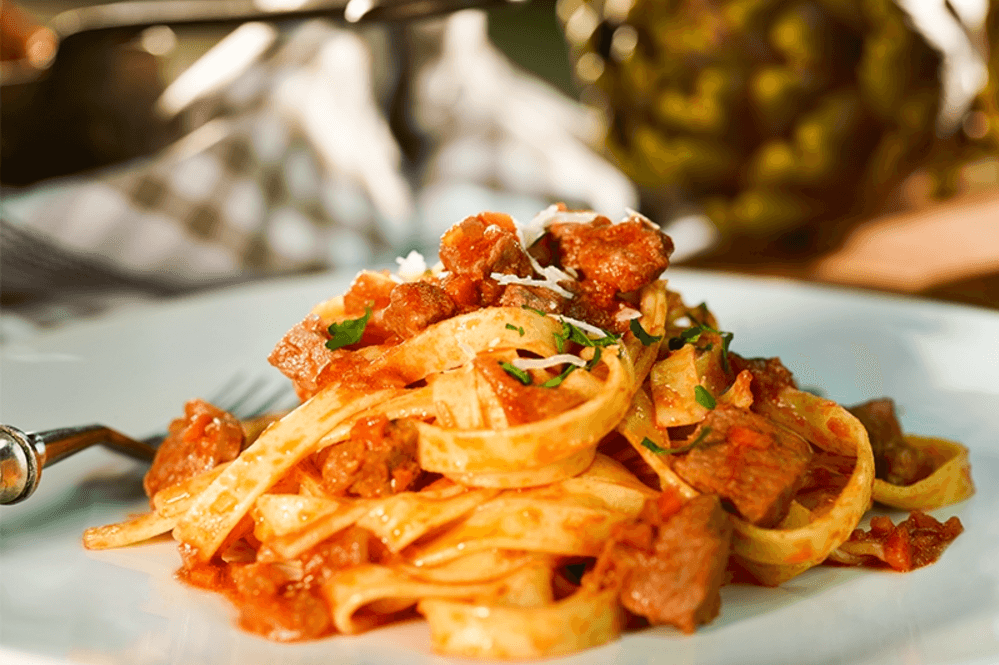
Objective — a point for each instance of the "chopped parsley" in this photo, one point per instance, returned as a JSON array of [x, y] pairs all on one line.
[[556, 381], [675, 343], [651, 445], [519, 329], [704, 398], [726, 340], [597, 352], [521, 375], [693, 333], [345, 333], [571, 333], [645, 338], [659, 450], [532, 309]]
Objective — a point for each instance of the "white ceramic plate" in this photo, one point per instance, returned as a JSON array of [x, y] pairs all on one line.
[[60, 603]]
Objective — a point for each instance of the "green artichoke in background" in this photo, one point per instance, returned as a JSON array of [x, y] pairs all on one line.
[[776, 118]]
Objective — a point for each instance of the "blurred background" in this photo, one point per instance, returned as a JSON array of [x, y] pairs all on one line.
[[158, 147]]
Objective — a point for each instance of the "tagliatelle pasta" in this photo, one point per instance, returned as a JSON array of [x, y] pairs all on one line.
[[527, 446]]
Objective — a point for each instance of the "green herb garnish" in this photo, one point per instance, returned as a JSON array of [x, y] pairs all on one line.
[[726, 340], [536, 311], [571, 333], [659, 450], [519, 329], [597, 352], [521, 375], [645, 338], [651, 445], [556, 381], [704, 398], [675, 343], [693, 333], [345, 333]]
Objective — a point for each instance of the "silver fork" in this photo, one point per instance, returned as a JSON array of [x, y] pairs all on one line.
[[24, 454]]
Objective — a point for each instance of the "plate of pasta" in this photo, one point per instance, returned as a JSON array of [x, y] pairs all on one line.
[[547, 445]]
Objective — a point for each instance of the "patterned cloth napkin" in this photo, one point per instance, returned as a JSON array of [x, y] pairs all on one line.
[[296, 168]]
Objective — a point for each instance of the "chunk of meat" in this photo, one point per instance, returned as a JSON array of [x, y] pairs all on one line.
[[369, 289], [672, 561], [895, 461], [520, 403], [618, 257], [534, 297], [769, 376], [378, 459], [203, 438], [283, 601], [597, 307], [484, 244], [916, 542], [370, 292], [302, 356], [827, 476], [416, 305], [464, 291], [749, 461]]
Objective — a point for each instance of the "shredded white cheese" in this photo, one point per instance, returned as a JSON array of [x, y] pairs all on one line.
[[627, 314], [536, 228], [530, 232], [551, 361], [505, 279], [551, 273], [413, 266], [635, 214], [590, 329]]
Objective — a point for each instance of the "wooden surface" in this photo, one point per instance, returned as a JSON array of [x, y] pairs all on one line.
[[947, 251]]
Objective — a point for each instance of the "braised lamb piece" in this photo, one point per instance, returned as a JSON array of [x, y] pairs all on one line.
[[378, 459], [203, 438], [671, 562], [895, 461], [750, 462]]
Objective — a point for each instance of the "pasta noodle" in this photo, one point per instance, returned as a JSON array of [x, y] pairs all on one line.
[[526, 446]]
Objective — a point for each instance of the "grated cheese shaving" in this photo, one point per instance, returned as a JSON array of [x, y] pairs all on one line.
[[551, 361], [582, 325], [413, 266], [634, 213], [627, 314], [505, 279], [536, 228]]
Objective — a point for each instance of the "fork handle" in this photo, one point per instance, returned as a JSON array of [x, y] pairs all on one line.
[[23, 454]]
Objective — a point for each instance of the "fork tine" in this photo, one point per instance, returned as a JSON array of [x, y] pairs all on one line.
[[244, 395], [252, 400], [230, 386], [280, 396], [22, 455]]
